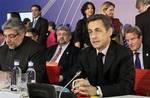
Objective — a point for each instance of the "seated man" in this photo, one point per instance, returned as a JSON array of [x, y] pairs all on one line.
[[141, 52], [67, 56], [33, 34], [22, 48], [107, 67]]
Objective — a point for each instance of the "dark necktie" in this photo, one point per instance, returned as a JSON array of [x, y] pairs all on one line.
[[137, 61], [100, 68], [57, 54]]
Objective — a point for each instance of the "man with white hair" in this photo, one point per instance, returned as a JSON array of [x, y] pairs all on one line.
[[142, 20]]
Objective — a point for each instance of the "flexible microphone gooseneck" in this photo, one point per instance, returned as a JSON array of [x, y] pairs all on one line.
[[76, 75]]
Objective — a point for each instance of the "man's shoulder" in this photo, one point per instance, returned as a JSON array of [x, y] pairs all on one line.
[[119, 49], [32, 44], [43, 19], [3, 48]]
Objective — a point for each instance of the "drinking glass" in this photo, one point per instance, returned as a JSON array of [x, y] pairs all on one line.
[[4, 80]]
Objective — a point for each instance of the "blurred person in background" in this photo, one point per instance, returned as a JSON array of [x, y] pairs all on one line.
[[81, 37], [27, 23], [40, 24], [2, 39], [107, 8], [142, 20], [51, 40], [33, 34]]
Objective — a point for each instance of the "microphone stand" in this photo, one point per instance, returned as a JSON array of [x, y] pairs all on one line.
[[76, 75]]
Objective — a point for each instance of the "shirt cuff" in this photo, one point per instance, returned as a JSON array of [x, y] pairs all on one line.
[[99, 91]]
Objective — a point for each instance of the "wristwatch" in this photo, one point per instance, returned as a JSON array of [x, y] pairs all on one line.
[[98, 90]]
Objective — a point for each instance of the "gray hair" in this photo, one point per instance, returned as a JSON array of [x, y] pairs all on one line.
[[64, 28], [15, 24], [145, 2], [133, 29]]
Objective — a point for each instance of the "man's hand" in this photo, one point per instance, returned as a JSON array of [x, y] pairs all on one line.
[[83, 87], [61, 78]]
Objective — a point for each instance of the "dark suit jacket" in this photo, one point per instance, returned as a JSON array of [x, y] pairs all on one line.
[[143, 22], [42, 28], [118, 69], [28, 50], [67, 61], [146, 56]]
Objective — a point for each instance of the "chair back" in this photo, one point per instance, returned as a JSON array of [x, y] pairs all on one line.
[[41, 91], [142, 82]]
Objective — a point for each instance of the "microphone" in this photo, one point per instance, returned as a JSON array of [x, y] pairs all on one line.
[[76, 75]]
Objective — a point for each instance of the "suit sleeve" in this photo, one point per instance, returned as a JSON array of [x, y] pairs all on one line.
[[39, 62]]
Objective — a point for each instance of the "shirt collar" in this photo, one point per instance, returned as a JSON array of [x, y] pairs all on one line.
[[104, 51], [35, 19], [140, 49]]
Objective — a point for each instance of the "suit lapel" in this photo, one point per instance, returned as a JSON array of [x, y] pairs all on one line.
[[145, 58], [109, 59], [93, 62]]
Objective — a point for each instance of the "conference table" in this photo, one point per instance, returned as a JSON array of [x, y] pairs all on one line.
[[4, 94]]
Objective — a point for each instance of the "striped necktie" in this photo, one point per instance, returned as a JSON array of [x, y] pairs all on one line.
[[57, 54]]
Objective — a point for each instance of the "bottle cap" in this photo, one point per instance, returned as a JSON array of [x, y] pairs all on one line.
[[30, 63], [16, 63]]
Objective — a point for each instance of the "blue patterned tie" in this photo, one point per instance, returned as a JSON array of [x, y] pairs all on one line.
[[137, 60]]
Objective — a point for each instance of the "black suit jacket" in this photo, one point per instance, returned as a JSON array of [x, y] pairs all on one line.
[[146, 56], [118, 70], [67, 60], [143, 22], [28, 50], [42, 28]]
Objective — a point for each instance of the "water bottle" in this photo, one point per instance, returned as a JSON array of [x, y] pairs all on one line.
[[31, 73], [16, 76]]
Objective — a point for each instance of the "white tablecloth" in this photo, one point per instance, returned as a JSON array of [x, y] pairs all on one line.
[[9, 95], [128, 96]]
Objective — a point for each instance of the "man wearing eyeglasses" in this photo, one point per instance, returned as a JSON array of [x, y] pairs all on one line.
[[21, 48]]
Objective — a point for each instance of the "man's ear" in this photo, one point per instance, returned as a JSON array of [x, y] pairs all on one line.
[[110, 30]]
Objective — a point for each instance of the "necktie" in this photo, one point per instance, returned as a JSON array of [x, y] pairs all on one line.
[[57, 54], [100, 68], [137, 61], [34, 22]]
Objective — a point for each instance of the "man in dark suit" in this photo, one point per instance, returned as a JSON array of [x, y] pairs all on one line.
[[21, 48], [134, 38], [67, 57], [142, 20], [107, 67], [40, 24]]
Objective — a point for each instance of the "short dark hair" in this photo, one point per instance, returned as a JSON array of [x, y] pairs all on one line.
[[33, 31], [37, 6], [14, 23], [85, 6], [26, 20], [1, 31], [52, 24], [133, 29], [15, 15], [105, 19]]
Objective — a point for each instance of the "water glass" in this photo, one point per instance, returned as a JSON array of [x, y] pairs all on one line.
[[4, 80], [23, 85]]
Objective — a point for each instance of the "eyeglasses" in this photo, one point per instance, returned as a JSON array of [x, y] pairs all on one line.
[[11, 36]]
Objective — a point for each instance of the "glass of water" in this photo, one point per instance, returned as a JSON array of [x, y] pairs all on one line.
[[4, 80], [23, 85]]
